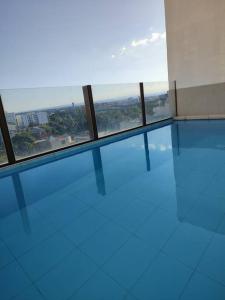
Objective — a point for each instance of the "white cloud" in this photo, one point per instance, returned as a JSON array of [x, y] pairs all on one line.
[[162, 148], [152, 146], [139, 43], [123, 50], [155, 37], [152, 39], [157, 147], [163, 36]]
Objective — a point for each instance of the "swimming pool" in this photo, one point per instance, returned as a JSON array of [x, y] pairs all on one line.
[[141, 217]]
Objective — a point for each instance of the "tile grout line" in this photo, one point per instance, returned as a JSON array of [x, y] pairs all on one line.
[[28, 277], [198, 263], [33, 282], [99, 267], [160, 250]]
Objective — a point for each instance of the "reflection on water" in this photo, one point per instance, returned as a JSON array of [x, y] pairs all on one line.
[[21, 201], [99, 173], [199, 172], [182, 158], [81, 172], [147, 157]]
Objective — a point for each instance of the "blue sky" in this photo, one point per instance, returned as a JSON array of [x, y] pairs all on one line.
[[73, 42]]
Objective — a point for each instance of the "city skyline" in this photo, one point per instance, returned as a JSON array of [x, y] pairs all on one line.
[[32, 99]]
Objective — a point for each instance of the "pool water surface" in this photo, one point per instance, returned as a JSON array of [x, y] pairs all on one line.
[[140, 218]]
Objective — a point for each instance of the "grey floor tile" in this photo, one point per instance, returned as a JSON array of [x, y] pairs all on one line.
[[135, 215], [105, 242], [165, 279], [20, 221], [188, 243], [100, 286], [130, 261], [30, 293], [24, 241], [67, 277], [158, 228], [84, 227], [13, 280], [213, 262], [40, 259], [65, 211], [201, 287], [5, 255]]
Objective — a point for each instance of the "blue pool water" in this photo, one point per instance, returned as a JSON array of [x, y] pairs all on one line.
[[140, 218]]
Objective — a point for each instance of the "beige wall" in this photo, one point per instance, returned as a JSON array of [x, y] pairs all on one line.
[[196, 54]]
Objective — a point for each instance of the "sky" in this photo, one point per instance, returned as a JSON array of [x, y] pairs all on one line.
[[21, 100], [77, 42]]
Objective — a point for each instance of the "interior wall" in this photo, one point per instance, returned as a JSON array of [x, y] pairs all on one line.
[[196, 55]]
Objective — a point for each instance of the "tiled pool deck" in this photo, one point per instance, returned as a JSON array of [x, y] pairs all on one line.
[[144, 221]]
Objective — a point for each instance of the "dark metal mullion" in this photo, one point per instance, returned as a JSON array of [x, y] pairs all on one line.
[[175, 95], [142, 98], [90, 111], [6, 135]]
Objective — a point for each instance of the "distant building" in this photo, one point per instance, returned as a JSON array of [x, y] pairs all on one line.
[[60, 141], [38, 118], [22, 120], [32, 119], [10, 118], [12, 129], [12, 124]]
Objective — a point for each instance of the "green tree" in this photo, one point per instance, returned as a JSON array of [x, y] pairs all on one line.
[[23, 143]]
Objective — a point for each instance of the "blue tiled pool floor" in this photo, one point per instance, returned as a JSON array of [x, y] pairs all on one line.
[[142, 218]]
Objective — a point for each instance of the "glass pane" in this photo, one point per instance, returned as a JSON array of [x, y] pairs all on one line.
[[117, 107], [3, 156], [43, 119], [157, 102]]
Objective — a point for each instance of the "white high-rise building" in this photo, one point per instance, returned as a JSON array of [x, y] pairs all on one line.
[[10, 118], [42, 117], [32, 118], [22, 120], [37, 118]]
